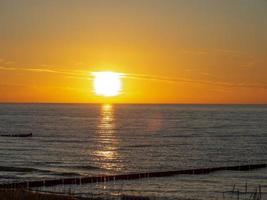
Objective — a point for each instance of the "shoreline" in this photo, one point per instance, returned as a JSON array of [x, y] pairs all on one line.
[[21, 194]]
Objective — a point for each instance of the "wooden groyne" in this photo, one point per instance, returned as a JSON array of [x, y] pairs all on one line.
[[17, 135], [106, 178]]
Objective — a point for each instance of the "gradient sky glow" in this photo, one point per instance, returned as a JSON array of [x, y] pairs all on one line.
[[171, 51]]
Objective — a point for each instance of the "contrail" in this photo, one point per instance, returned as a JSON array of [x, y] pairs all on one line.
[[186, 80], [72, 74], [79, 74]]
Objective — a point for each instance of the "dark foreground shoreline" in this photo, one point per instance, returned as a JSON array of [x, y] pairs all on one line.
[[24, 194], [21, 194]]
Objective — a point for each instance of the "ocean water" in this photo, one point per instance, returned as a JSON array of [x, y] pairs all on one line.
[[85, 139]]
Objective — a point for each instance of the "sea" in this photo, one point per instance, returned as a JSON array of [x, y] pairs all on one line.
[[72, 140]]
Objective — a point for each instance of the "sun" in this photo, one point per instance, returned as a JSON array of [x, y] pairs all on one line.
[[107, 83]]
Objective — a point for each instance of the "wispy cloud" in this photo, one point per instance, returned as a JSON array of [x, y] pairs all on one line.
[[3, 86], [30, 86], [79, 74], [209, 51], [205, 82], [69, 73]]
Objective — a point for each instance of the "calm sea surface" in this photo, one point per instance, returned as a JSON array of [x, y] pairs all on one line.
[[82, 139]]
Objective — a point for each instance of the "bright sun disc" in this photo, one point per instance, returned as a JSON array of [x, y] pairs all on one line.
[[107, 83]]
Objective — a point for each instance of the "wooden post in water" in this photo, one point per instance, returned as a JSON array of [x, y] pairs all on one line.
[[131, 176], [260, 192]]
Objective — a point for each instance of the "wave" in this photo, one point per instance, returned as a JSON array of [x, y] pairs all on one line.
[[66, 174], [34, 170], [141, 145], [20, 169], [86, 167]]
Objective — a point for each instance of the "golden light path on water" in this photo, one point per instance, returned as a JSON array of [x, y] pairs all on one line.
[[108, 142]]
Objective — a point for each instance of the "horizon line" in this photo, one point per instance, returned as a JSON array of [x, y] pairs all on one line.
[[131, 103]]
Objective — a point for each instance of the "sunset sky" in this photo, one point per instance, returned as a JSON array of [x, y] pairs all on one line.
[[169, 51]]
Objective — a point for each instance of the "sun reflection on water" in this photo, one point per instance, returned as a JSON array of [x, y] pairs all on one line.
[[106, 152]]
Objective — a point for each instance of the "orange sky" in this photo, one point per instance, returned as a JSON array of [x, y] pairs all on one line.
[[183, 51]]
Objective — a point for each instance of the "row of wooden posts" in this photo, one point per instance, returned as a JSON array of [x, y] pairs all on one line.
[[131, 176]]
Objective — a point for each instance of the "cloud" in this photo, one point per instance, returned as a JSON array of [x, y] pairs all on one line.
[[209, 51], [9, 62], [68, 73], [4, 86], [79, 74], [204, 82]]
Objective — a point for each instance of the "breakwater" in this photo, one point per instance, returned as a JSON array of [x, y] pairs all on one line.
[[131, 176]]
